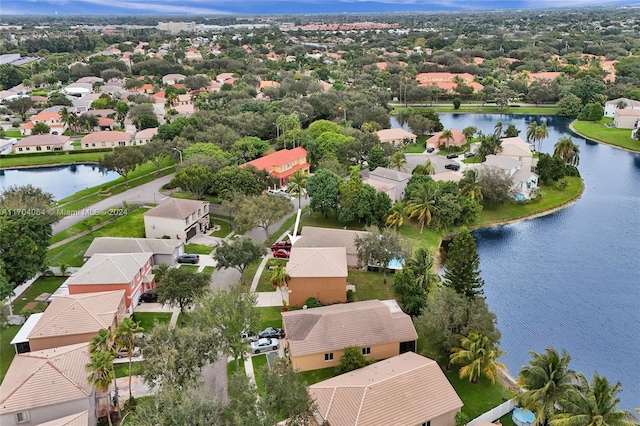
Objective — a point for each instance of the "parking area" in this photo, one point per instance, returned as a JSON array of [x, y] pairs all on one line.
[[437, 161]]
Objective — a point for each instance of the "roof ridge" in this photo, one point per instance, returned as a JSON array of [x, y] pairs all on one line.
[[364, 395], [418, 367], [69, 379], [321, 253], [333, 395], [44, 362]]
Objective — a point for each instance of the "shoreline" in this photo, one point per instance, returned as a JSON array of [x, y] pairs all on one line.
[[582, 135], [36, 166]]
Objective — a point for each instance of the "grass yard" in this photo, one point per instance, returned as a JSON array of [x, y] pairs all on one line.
[[419, 147], [231, 367], [250, 271], [147, 320], [270, 317], [317, 219], [369, 285], [223, 227], [72, 253], [45, 160], [7, 351], [264, 284], [598, 131], [288, 224], [185, 319], [197, 249], [478, 397], [259, 362], [122, 369], [85, 225], [27, 303], [315, 376], [192, 268], [208, 270]]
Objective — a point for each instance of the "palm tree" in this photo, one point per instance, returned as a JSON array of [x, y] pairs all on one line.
[[104, 342], [567, 150], [100, 375], [593, 404], [547, 380], [125, 337], [421, 265], [446, 136], [469, 131], [531, 131], [422, 205], [396, 215], [297, 185], [279, 278], [424, 169], [497, 129], [470, 186], [398, 160], [403, 115], [541, 134], [477, 358]]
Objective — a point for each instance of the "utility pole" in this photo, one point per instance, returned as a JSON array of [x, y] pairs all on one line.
[[179, 152]]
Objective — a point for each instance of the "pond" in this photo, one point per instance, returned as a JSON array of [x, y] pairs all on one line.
[[61, 181], [570, 280]]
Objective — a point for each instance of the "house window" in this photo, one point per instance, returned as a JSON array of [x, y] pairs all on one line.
[[205, 208], [86, 145], [22, 417], [366, 351], [427, 423], [20, 149], [186, 221], [28, 148], [328, 357], [38, 148], [48, 148]]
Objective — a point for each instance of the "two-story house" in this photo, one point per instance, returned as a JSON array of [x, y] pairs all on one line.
[[177, 218], [319, 272], [51, 119], [282, 164], [394, 179], [523, 181]]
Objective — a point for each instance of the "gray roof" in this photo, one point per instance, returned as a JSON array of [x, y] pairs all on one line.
[[630, 102], [523, 176], [501, 162], [176, 208], [390, 174], [312, 236], [132, 245], [109, 268]]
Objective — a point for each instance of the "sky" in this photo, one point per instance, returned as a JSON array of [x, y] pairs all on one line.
[[265, 7]]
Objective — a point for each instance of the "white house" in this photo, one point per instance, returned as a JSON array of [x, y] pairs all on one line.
[[177, 218], [396, 136], [520, 150], [525, 182], [611, 106], [626, 118], [144, 136]]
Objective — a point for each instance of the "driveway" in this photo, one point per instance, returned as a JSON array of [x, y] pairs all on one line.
[[438, 161]]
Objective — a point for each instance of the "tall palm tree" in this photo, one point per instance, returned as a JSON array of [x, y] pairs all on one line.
[[469, 131], [547, 380], [100, 375], [279, 278], [593, 404], [470, 185], [567, 150], [104, 342], [125, 338], [396, 215], [398, 160], [421, 265], [477, 357], [297, 185], [422, 205], [446, 136], [497, 129], [531, 131], [424, 169], [403, 115], [541, 134]]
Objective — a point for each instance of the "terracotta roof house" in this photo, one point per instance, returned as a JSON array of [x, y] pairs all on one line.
[[319, 272], [105, 139], [626, 118], [144, 136], [396, 136], [447, 81], [47, 385], [72, 319], [51, 119], [42, 143], [130, 272], [314, 237], [387, 176], [163, 250], [105, 123], [407, 389], [177, 217], [458, 139], [223, 77], [317, 337], [549, 75], [172, 78], [282, 164], [267, 83]]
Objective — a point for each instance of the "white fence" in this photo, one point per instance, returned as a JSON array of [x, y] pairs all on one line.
[[495, 413]]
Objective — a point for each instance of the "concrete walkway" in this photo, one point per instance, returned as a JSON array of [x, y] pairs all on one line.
[[159, 307], [248, 369]]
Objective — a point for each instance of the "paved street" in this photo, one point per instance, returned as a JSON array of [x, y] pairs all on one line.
[[438, 161]]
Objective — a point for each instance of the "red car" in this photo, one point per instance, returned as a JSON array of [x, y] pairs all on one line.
[[281, 253], [285, 245]]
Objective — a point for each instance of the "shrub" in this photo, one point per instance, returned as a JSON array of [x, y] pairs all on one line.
[[350, 296], [312, 302], [352, 359]]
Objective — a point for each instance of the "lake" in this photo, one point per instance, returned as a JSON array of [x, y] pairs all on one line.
[[61, 181], [570, 280]]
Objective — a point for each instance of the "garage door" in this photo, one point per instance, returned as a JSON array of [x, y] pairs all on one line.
[[191, 232]]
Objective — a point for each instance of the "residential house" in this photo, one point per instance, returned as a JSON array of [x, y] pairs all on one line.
[[611, 106], [282, 164], [182, 218], [396, 136], [520, 150], [447, 176], [105, 139], [171, 79], [163, 250], [524, 182], [143, 137], [626, 118], [265, 84], [457, 139], [46, 385], [78, 419], [42, 143], [388, 176], [130, 272], [387, 188], [314, 237], [51, 119], [316, 337], [407, 389], [224, 77], [83, 103], [447, 81], [549, 75], [105, 123], [107, 112], [193, 55], [72, 319], [319, 272]]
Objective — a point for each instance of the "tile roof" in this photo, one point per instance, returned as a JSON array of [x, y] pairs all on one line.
[[278, 158], [447, 177], [516, 144], [628, 112], [390, 174], [394, 134], [334, 327], [78, 314], [176, 208], [147, 133], [112, 268], [459, 139], [312, 236], [78, 419], [502, 162], [43, 116], [42, 140], [51, 376], [317, 262], [131, 245], [407, 389], [106, 136]]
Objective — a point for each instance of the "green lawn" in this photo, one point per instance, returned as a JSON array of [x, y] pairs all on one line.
[[598, 131], [264, 284], [208, 270], [231, 367], [369, 285], [250, 271], [185, 319], [41, 285], [419, 147], [270, 317], [315, 376], [13, 134], [259, 362], [317, 219], [147, 320], [89, 222], [72, 253], [192, 268], [7, 351], [225, 228], [197, 249], [122, 369], [42, 160], [287, 224], [478, 397]]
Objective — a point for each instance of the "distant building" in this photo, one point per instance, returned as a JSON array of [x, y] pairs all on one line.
[[611, 106], [447, 81], [105, 139], [177, 27]]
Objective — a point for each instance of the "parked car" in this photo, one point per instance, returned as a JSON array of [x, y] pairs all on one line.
[[271, 332], [285, 245], [279, 192], [189, 258], [122, 353], [469, 154], [249, 336], [264, 345], [149, 297], [430, 149], [452, 166], [452, 155], [281, 253]]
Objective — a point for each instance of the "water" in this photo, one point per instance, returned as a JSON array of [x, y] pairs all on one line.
[[61, 181], [570, 280]]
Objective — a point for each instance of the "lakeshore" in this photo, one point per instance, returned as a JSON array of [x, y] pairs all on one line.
[[600, 140]]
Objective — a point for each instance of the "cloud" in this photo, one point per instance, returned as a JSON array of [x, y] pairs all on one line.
[[575, 3]]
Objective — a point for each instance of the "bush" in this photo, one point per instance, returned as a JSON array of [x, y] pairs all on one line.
[[461, 418], [352, 359], [456, 103], [312, 302], [350, 296]]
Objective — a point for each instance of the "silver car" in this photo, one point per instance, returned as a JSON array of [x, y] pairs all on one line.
[[264, 345]]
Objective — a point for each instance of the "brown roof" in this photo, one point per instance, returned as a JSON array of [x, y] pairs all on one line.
[[110, 268], [78, 419], [132, 245], [78, 314], [107, 136], [628, 112], [176, 208], [459, 139], [43, 140], [312, 236], [51, 376], [407, 389], [394, 134], [334, 327], [317, 262]]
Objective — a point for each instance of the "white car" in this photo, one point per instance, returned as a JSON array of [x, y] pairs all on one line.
[[280, 192], [264, 345]]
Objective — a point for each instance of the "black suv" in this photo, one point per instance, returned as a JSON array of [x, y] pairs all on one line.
[[452, 166], [450, 156], [149, 297], [271, 333], [189, 258]]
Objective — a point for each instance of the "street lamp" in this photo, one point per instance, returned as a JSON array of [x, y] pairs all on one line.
[[179, 152]]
